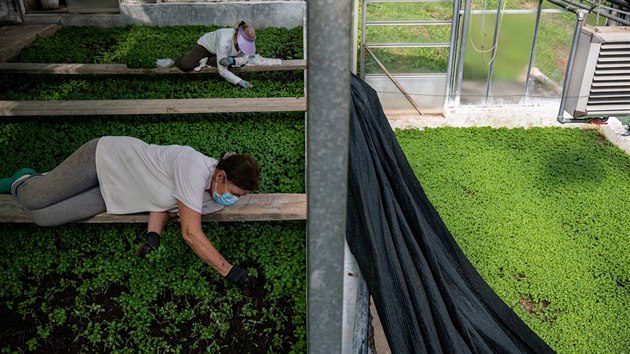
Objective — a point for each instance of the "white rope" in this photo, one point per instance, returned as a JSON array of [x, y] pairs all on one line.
[[482, 31]]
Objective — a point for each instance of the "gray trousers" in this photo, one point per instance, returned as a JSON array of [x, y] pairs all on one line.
[[68, 193]]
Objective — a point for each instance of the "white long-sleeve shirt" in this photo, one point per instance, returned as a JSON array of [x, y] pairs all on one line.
[[221, 43]]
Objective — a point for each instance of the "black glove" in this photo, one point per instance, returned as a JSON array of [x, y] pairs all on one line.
[[239, 277], [227, 61], [150, 243]]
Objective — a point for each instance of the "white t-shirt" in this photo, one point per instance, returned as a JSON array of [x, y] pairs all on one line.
[[221, 43], [138, 177]]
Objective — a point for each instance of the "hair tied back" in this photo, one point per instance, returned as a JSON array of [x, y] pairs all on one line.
[[227, 154]]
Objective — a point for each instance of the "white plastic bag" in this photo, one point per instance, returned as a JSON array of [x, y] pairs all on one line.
[[164, 63], [256, 59]]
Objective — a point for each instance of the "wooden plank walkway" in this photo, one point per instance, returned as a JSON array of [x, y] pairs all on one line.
[[122, 69], [252, 207], [151, 106]]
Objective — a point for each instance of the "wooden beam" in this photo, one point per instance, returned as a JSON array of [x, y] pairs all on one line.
[[151, 106], [122, 69], [252, 207]]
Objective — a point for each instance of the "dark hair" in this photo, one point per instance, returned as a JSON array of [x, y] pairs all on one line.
[[241, 169], [239, 24]]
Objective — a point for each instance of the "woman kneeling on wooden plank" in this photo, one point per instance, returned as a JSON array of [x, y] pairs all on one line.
[[222, 48], [124, 175]]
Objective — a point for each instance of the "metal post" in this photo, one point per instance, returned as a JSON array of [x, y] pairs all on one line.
[[462, 53], [455, 21], [574, 6], [363, 43], [495, 40], [532, 55], [355, 34], [328, 94], [581, 16]]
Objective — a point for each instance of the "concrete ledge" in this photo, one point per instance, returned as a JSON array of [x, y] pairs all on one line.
[[508, 116], [615, 131]]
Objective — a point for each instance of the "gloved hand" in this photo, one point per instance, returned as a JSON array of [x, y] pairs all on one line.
[[227, 61], [150, 243], [244, 84], [239, 277]]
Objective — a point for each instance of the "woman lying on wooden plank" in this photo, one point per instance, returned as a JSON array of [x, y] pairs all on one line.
[[124, 175]]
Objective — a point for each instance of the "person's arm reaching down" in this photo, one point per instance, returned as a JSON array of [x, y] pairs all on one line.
[[195, 238], [157, 223], [205, 250], [224, 51]]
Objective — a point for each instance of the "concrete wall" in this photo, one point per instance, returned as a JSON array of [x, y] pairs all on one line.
[[261, 13], [427, 90]]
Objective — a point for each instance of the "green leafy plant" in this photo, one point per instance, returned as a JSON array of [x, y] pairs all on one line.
[[541, 213], [140, 47], [80, 287]]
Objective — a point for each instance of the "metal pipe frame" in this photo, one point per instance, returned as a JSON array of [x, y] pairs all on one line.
[[620, 3], [451, 54], [408, 23], [581, 17], [328, 110], [462, 53], [515, 12], [368, 1], [575, 6], [408, 45], [532, 56], [495, 41], [363, 36], [453, 98]]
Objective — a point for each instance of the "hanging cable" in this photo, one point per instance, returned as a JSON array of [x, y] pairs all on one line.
[[482, 30]]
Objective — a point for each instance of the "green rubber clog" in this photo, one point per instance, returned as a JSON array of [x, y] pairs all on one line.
[[5, 183]]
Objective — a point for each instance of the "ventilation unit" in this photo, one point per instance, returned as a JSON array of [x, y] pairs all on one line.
[[599, 82]]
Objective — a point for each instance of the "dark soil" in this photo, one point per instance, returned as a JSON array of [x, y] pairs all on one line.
[[17, 326]]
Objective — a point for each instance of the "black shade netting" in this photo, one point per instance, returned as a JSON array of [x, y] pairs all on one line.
[[429, 297]]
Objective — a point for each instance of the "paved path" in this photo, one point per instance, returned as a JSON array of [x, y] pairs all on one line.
[[13, 38]]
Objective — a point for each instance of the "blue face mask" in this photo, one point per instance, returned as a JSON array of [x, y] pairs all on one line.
[[226, 198]]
